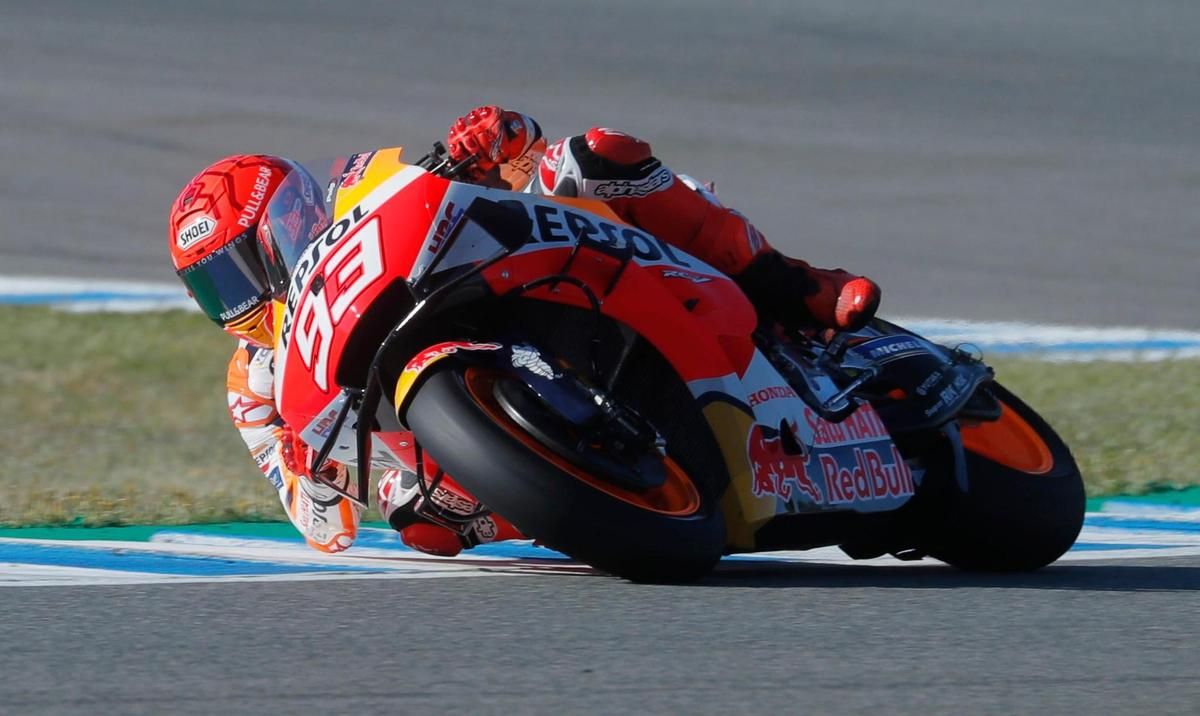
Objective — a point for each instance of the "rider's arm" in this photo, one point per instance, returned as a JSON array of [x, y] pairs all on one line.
[[328, 521], [621, 170]]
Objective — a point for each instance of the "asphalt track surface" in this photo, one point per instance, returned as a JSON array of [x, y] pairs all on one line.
[[1098, 638], [1020, 160]]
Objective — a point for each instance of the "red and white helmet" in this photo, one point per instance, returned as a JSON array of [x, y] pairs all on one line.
[[211, 233]]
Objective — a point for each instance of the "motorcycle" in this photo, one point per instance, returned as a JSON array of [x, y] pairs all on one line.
[[619, 400]]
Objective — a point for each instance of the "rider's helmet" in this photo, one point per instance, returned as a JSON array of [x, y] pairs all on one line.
[[212, 235]]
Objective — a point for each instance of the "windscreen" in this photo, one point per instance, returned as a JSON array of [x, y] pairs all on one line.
[[298, 212]]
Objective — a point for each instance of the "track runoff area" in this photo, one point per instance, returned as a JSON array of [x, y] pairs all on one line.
[[1114, 529]]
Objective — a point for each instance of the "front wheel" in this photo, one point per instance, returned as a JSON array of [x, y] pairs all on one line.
[[1024, 503], [673, 532]]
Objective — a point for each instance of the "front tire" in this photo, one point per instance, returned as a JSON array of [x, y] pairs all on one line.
[[1025, 502], [672, 534]]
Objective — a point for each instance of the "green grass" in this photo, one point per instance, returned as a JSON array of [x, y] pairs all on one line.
[[1131, 426], [120, 419]]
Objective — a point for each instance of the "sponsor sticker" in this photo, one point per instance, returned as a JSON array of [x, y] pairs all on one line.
[[356, 169], [247, 412], [777, 472], [530, 359], [687, 275], [773, 392], [851, 463], [485, 529], [454, 502], [619, 188], [872, 476], [449, 220], [888, 348], [275, 477], [418, 364], [195, 230], [252, 209], [863, 425]]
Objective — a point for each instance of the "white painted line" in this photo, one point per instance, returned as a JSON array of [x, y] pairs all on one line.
[[178, 557], [1061, 343], [82, 295]]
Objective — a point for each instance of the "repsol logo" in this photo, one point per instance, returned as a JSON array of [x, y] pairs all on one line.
[[319, 248], [554, 224]]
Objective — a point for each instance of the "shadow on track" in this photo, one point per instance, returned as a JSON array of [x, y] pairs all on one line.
[[1076, 577]]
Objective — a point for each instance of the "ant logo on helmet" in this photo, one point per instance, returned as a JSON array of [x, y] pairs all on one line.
[[195, 230]]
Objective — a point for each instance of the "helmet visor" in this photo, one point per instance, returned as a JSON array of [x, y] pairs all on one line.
[[294, 217], [230, 282]]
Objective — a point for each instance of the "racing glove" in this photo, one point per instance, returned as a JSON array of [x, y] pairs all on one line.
[[498, 139], [298, 457]]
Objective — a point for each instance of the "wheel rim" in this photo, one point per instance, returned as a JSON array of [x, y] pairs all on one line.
[[1009, 441], [677, 497]]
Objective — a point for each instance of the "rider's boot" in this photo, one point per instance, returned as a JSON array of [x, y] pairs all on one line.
[[621, 170], [830, 298], [405, 509]]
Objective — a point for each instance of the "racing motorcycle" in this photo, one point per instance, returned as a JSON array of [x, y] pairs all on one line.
[[619, 400]]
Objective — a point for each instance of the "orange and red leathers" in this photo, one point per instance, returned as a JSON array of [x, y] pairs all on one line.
[[328, 521]]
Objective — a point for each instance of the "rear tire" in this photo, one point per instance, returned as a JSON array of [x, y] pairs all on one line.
[[505, 467], [1014, 517]]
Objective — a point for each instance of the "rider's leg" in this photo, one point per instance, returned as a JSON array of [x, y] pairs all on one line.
[[621, 170]]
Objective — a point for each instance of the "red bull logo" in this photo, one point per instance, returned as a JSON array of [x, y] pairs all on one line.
[[356, 170], [776, 472], [840, 474], [870, 478]]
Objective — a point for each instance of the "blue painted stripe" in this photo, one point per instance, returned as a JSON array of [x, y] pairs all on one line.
[[1117, 546], [125, 560], [1087, 346], [1140, 523], [387, 539], [33, 299]]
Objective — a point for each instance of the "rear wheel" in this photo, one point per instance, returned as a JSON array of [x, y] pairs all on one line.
[[1025, 500], [584, 502]]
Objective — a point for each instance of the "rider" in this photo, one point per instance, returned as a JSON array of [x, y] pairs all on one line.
[[212, 230]]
